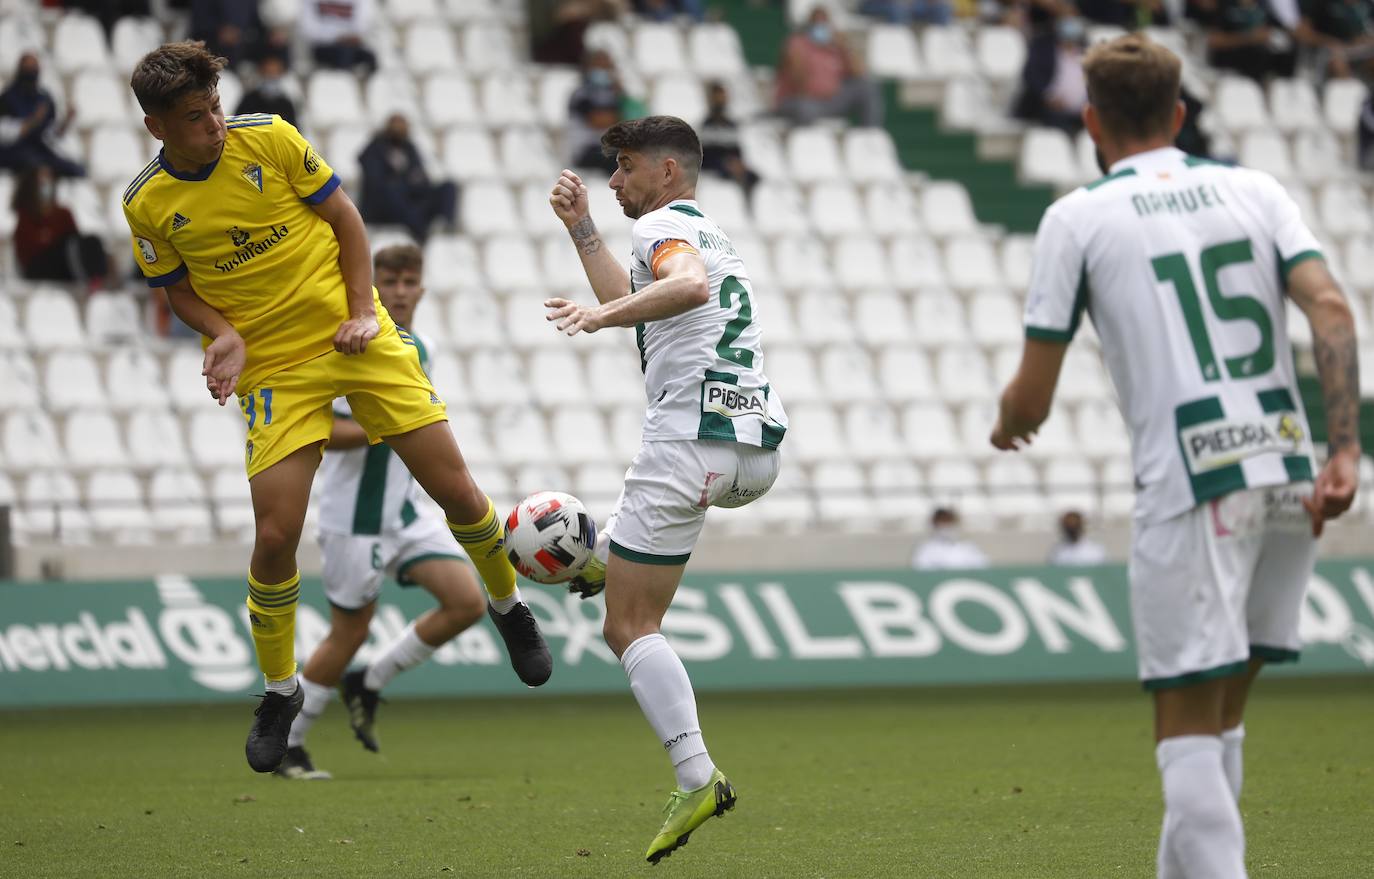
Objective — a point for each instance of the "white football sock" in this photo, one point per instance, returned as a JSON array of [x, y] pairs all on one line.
[[405, 652], [317, 698], [1231, 758], [1202, 827], [504, 605], [664, 693], [286, 686]]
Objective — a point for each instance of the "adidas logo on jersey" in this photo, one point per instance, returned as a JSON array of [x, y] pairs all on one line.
[[179, 220]]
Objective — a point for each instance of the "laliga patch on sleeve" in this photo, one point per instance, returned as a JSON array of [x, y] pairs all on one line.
[[146, 249], [312, 161]]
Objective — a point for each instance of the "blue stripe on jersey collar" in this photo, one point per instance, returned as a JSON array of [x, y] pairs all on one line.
[[203, 173]]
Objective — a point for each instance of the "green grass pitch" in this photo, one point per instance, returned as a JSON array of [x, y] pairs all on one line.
[[988, 782]]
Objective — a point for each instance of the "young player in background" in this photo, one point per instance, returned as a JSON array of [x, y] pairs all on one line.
[[711, 432], [1183, 266], [370, 529], [245, 227]]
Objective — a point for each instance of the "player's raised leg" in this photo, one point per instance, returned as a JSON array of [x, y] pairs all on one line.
[[280, 495], [431, 455], [637, 596]]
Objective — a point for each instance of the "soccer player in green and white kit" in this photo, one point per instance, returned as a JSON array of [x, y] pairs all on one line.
[[371, 527], [1184, 266], [711, 431]]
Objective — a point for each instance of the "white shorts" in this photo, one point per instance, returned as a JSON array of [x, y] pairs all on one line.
[[1220, 584], [670, 484], [354, 565]]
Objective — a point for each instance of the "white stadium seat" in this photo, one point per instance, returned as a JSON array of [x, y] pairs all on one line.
[[847, 375], [216, 438], [394, 91], [904, 375], [1341, 102], [449, 99], [929, 431], [794, 369], [555, 88], [489, 209], [333, 99], [556, 375], [615, 375], [1344, 209], [511, 263], [51, 320], [778, 209], [233, 503], [183, 380], [579, 434], [843, 494], [802, 262], [814, 434], [1071, 484], [813, 155], [71, 380], [971, 261], [1266, 151], [824, 317], [1318, 157], [722, 199], [154, 440], [861, 262], [116, 502], [891, 210], [30, 441], [429, 48], [947, 52], [760, 146], [834, 209], [405, 11], [508, 100], [892, 52], [346, 144], [962, 375], [527, 155], [870, 156], [995, 318], [1049, 156], [873, 433], [20, 33], [1016, 487], [451, 263], [99, 99], [658, 49], [476, 321], [678, 94], [115, 154], [114, 318], [134, 381], [78, 43], [20, 388], [955, 482], [715, 51], [1001, 52], [946, 209], [1294, 105], [522, 433], [489, 46], [52, 509], [938, 317], [497, 379], [1240, 104]]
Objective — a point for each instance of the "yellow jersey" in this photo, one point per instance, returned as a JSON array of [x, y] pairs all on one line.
[[243, 229]]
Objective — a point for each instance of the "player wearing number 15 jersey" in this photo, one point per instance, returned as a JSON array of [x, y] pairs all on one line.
[[258, 248], [1184, 267], [711, 432]]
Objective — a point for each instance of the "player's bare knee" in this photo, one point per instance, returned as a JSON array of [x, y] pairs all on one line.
[[274, 541]]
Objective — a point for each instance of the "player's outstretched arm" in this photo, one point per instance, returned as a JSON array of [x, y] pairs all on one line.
[[225, 356], [1311, 286], [355, 261], [1026, 401], [608, 278], [682, 286], [345, 433]]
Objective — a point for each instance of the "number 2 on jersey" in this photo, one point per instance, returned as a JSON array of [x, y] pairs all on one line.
[[730, 288], [1172, 268]]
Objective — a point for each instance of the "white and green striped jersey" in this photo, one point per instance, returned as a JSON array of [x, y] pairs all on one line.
[[703, 369], [368, 490], [1182, 264]]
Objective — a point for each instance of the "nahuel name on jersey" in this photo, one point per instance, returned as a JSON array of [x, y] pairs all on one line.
[[1177, 201], [730, 401], [1220, 443], [252, 249]]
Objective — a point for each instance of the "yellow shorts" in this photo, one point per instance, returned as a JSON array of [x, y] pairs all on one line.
[[386, 389]]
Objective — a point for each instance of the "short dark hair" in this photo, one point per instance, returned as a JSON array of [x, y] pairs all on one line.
[[1133, 84], [655, 134], [173, 70], [399, 258]]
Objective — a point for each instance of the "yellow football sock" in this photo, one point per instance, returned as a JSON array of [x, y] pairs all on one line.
[[485, 542], [272, 612]]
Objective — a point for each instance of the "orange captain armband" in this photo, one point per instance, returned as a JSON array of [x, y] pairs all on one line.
[[665, 248]]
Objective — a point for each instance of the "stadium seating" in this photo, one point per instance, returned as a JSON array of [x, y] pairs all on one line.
[[891, 314]]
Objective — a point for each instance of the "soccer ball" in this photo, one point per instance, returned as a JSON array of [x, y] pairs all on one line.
[[550, 537]]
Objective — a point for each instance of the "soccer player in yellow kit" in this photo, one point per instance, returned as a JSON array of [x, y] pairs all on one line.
[[246, 229]]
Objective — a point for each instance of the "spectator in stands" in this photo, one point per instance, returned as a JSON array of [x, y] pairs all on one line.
[[720, 148], [1342, 31], [1074, 548], [562, 40], [110, 11], [269, 96], [336, 30], [667, 10], [947, 548], [1241, 36], [597, 103], [818, 76], [1053, 90], [231, 28], [29, 123], [908, 11], [1128, 14], [47, 243], [1364, 136], [396, 188]]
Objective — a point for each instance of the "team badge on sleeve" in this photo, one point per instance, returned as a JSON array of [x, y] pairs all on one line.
[[146, 250]]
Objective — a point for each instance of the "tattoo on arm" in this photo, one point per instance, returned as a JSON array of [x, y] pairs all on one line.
[[584, 235], [1338, 368]]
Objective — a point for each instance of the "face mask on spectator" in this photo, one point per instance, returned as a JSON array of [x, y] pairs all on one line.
[[28, 79], [821, 33], [599, 77], [47, 191]]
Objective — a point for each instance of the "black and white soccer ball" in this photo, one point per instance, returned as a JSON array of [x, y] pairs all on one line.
[[550, 536]]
